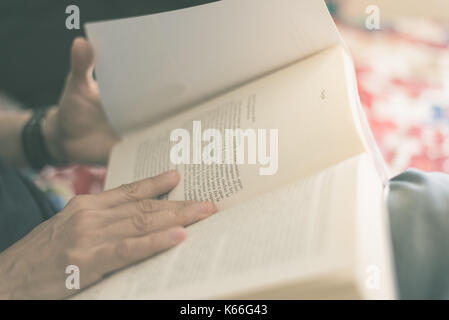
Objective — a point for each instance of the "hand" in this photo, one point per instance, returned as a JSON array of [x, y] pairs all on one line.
[[77, 131], [99, 234]]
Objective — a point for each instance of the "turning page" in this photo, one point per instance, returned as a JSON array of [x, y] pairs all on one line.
[[151, 66], [300, 118]]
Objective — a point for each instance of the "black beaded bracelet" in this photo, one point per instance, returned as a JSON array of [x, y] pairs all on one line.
[[33, 142]]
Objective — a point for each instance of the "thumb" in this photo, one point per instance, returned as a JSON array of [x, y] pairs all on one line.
[[82, 59]]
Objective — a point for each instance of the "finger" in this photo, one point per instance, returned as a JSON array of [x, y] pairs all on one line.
[[145, 206], [82, 59], [144, 189], [140, 224], [119, 254]]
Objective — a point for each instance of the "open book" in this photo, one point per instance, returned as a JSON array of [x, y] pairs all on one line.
[[306, 221]]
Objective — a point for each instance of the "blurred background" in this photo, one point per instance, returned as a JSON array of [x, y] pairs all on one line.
[[402, 70], [403, 77]]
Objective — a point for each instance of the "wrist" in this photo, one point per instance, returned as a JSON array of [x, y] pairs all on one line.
[[52, 135]]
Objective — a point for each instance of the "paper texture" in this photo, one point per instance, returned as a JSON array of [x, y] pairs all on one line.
[[307, 103], [375, 269], [150, 66], [302, 231]]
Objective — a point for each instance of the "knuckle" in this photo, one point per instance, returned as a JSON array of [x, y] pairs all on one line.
[[82, 222], [130, 191], [148, 205], [78, 202], [142, 222], [187, 203], [84, 215], [77, 258]]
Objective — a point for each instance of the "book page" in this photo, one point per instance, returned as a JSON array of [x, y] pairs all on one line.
[[300, 234], [307, 104], [148, 67], [362, 122], [375, 267]]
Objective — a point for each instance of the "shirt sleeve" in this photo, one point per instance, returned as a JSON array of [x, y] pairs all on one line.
[[419, 219]]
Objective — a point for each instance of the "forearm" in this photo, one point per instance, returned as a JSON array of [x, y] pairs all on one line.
[[11, 124]]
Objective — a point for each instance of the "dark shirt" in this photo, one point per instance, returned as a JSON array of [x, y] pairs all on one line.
[[35, 43], [22, 206]]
